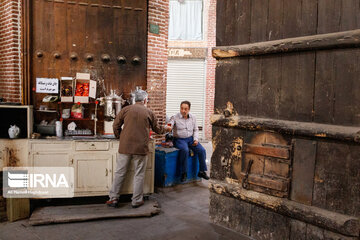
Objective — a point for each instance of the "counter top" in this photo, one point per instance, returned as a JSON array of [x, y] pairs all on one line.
[[79, 138]]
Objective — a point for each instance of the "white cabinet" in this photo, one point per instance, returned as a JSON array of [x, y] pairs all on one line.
[[50, 153], [46, 159], [94, 163], [93, 172]]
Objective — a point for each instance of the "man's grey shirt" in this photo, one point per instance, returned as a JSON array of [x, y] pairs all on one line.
[[184, 128]]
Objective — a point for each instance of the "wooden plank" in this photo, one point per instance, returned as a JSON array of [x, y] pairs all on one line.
[[254, 95], [302, 180], [297, 229], [259, 16], [60, 46], [277, 152], [328, 16], [220, 23], [274, 28], [289, 78], [292, 18], [242, 11], [48, 37], [272, 183], [309, 17], [274, 168], [270, 87], [347, 39], [349, 11], [266, 224], [233, 15], [256, 168], [271, 64], [344, 133], [340, 223], [232, 75], [346, 88], [337, 178], [80, 213], [221, 206], [223, 151], [304, 87], [313, 232], [324, 96]]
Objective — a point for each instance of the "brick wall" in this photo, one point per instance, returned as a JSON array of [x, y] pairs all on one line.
[[158, 13], [10, 50], [210, 67]]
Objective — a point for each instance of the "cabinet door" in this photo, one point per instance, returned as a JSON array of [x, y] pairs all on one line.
[[93, 171], [47, 159]]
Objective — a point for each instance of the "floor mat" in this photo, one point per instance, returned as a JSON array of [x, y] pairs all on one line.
[[79, 213]]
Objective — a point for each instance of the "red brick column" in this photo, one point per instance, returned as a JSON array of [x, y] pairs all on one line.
[[10, 50], [158, 14], [210, 69]]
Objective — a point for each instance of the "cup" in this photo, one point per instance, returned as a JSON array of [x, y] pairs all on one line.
[[66, 113]]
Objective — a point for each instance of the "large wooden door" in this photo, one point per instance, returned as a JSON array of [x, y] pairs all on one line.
[[106, 38]]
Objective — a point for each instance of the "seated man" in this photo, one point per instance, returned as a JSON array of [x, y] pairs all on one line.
[[186, 135]]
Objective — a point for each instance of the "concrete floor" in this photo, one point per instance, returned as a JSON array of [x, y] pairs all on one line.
[[184, 215]]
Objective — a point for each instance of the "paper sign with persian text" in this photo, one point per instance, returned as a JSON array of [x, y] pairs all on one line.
[[47, 85]]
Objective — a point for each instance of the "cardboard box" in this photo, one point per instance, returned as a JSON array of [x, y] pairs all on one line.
[[67, 89], [84, 88]]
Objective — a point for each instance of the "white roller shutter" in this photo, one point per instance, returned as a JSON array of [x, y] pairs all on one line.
[[186, 81]]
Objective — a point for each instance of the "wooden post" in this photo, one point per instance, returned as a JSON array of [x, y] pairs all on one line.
[[315, 42], [17, 208]]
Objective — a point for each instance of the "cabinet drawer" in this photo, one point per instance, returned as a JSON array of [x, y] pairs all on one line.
[[115, 145], [91, 146], [51, 147]]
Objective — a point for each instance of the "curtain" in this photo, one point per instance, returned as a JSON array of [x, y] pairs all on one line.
[[185, 20]]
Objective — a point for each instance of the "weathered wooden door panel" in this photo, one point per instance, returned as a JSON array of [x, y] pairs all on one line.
[[245, 21], [78, 36], [288, 69], [336, 180], [302, 181]]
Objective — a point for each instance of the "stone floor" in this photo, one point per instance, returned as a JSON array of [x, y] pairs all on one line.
[[184, 215]]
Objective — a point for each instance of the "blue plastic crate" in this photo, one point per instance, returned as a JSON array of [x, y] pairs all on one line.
[[167, 167]]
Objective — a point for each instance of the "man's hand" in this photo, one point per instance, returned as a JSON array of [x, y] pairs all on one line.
[[195, 143], [168, 129]]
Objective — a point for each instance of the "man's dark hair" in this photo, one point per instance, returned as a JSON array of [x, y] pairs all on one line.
[[185, 102]]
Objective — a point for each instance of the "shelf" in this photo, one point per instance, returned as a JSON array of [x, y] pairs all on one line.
[[81, 119], [78, 119], [90, 102], [49, 111]]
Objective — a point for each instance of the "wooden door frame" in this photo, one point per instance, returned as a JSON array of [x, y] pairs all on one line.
[[25, 51]]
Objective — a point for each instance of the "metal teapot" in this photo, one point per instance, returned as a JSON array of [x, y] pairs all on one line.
[[14, 131], [113, 104]]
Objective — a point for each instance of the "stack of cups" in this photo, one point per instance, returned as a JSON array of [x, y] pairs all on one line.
[[59, 131]]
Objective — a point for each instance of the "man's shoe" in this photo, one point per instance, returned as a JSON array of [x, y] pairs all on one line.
[[203, 175], [138, 205], [113, 203], [183, 177]]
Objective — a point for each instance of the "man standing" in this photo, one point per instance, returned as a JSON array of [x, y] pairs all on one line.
[[134, 138], [186, 135]]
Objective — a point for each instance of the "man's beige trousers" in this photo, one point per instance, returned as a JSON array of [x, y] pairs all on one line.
[[122, 164]]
